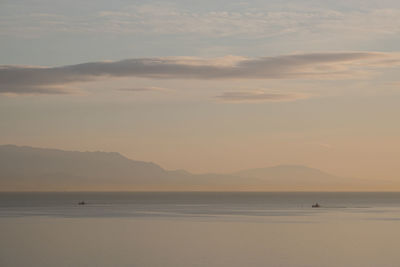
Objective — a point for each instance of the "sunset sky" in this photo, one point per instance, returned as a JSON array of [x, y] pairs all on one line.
[[207, 86]]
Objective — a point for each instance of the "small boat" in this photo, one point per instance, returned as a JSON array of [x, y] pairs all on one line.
[[316, 205], [81, 203]]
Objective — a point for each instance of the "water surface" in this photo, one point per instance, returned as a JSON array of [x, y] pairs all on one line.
[[199, 229]]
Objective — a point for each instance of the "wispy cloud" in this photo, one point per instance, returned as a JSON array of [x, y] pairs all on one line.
[[262, 21], [346, 65], [321, 145], [144, 89], [259, 96]]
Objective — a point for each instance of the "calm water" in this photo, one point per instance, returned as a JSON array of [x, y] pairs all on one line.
[[199, 229]]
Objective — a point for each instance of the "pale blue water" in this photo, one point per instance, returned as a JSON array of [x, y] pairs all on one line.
[[191, 204], [199, 229]]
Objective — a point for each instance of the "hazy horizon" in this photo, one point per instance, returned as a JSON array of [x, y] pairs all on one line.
[[25, 169], [238, 168]]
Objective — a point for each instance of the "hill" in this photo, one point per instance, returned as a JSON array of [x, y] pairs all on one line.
[[25, 168]]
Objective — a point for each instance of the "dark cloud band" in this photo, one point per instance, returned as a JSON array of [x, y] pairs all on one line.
[[26, 79]]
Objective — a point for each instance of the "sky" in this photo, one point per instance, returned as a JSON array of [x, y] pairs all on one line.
[[207, 86]]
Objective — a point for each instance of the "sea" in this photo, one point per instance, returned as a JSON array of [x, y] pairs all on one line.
[[184, 229]]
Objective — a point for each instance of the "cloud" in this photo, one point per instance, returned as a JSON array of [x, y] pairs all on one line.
[[345, 65], [258, 96], [144, 89], [321, 145], [248, 22]]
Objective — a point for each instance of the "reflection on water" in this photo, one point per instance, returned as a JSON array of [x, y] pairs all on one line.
[[199, 229]]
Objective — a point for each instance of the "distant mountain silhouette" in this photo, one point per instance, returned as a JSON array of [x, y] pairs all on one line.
[[297, 176], [36, 169]]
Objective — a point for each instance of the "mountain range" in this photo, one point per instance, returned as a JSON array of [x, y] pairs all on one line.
[[25, 168]]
